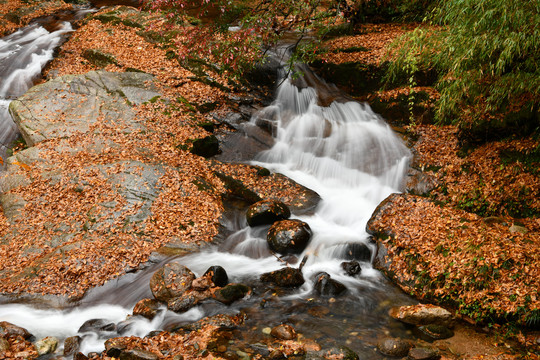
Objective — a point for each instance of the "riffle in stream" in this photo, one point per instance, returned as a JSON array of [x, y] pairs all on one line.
[[340, 149]]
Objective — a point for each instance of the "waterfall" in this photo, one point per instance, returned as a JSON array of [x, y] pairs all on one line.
[[340, 148]]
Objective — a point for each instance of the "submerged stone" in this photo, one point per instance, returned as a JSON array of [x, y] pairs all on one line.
[[283, 332], [436, 332], [394, 347]]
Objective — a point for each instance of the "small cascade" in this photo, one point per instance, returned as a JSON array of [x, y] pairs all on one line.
[[23, 55], [337, 147]]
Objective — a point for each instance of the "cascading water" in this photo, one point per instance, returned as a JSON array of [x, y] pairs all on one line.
[[23, 55], [343, 151]]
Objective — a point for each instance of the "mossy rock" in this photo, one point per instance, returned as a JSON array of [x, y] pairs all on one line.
[[99, 58], [206, 147]]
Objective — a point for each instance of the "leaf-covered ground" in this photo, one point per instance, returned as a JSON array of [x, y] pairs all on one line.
[[101, 246], [473, 241]]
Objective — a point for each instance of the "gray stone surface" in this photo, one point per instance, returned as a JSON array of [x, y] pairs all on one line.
[[70, 104]]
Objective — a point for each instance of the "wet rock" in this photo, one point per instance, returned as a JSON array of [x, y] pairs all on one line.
[[9, 329], [326, 286], [286, 277], [341, 352], [97, 326], [99, 58], [4, 345], [46, 345], [394, 347], [436, 332], [148, 308], [223, 322], [283, 332], [423, 314], [289, 236], [237, 189], [201, 284], [114, 347], [80, 356], [276, 355], [423, 354], [218, 275], [352, 268], [137, 354], [231, 293], [72, 345], [267, 212], [183, 303], [357, 251], [125, 326], [171, 281], [206, 147]]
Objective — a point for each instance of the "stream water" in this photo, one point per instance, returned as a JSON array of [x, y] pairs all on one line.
[[339, 148]]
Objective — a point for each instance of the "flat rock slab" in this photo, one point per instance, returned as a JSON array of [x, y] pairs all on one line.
[[73, 103]]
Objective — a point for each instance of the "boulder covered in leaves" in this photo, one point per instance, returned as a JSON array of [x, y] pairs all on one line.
[[422, 314], [289, 236], [286, 277], [171, 281], [267, 212]]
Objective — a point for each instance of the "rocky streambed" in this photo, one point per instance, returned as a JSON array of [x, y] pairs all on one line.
[[116, 186]]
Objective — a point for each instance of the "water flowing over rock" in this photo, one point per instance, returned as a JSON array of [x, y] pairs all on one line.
[[352, 268], [267, 212], [23, 54], [289, 236], [171, 281], [326, 286]]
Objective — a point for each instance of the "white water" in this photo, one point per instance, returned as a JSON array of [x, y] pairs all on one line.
[[344, 152], [23, 55]]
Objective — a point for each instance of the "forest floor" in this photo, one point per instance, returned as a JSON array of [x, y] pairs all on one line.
[[495, 186], [471, 240]]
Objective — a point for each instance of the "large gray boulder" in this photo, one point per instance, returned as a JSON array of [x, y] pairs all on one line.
[[75, 103]]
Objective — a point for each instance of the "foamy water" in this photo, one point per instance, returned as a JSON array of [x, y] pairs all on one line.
[[344, 152], [23, 55]]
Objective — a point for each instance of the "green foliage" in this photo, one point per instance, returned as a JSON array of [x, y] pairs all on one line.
[[487, 54]]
